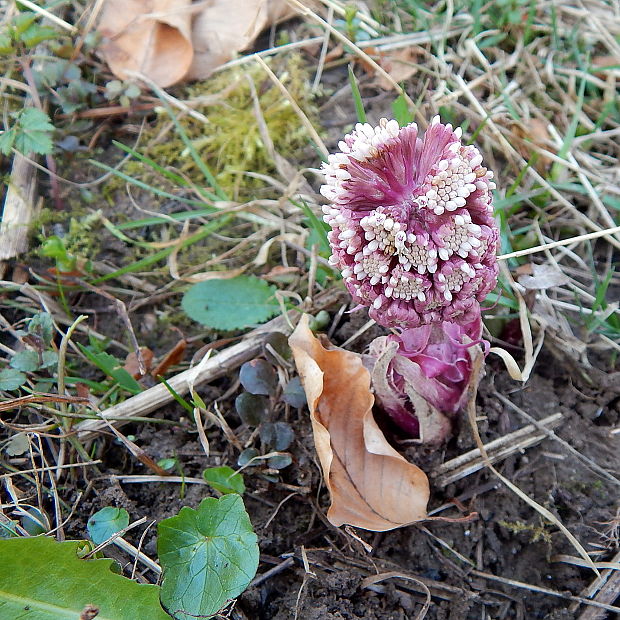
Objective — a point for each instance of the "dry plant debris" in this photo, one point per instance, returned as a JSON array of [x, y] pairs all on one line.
[[371, 485], [172, 40]]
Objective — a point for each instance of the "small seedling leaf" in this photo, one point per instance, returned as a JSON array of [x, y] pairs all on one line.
[[294, 393], [252, 408], [208, 555], [106, 522], [258, 377], [17, 445], [11, 379], [224, 479], [230, 304], [279, 461], [34, 132], [26, 360], [35, 522], [42, 325], [277, 436], [246, 458], [41, 578]]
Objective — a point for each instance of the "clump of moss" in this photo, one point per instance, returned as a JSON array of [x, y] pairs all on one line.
[[231, 142]]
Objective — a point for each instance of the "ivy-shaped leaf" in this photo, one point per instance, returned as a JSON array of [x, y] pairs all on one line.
[[208, 556], [231, 304], [41, 579]]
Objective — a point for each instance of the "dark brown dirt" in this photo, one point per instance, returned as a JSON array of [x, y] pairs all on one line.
[[506, 538]]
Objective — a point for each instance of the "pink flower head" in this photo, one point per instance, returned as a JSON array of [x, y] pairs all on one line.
[[421, 376], [412, 223]]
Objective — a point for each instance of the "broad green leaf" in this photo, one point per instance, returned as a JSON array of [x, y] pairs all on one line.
[[401, 112], [231, 304], [224, 479], [22, 21], [11, 379], [7, 139], [106, 522], [36, 34], [50, 358], [41, 579], [26, 360], [208, 555], [6, 44]]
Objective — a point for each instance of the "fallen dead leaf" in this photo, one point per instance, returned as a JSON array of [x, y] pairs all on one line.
[[371, 485], [132, 365], [401, 64], [174, 356], [225, 27], [150, 37], [534, 131]]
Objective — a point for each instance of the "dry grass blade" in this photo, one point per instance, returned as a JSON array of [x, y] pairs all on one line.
[[497, 450], [373, 579]]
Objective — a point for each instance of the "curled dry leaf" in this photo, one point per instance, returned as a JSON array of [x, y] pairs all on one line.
[[171, 40], [132, 365], [225, 27], [401, 64], [151, 37], [371, 485]]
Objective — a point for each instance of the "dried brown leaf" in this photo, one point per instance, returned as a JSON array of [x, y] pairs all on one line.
[[151, 37], [225, 27], [401, 64], [371, 485], [174, 356], [132, 365]]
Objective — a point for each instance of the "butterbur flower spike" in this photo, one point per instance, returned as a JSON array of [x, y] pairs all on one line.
[[412, 224]]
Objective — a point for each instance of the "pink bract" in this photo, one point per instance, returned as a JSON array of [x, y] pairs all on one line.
[[421, 376], [412, 223]]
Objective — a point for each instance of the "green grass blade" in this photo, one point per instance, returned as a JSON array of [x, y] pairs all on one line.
[[357, 97]]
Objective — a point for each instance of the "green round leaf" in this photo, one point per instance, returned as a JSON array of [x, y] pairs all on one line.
[[26, 360], [230, 304], [44, 579], [252, 408], [224, 479], [294, 393], [11, 379], [208, 556], [106, 522], [258, 377]]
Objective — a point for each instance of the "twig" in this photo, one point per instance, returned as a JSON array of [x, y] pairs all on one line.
[[218, 365], [499, 449]]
